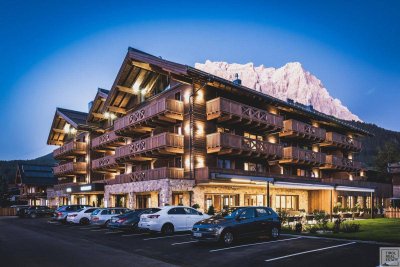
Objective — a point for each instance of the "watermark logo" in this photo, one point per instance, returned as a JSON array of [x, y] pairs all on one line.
[[389, 256]]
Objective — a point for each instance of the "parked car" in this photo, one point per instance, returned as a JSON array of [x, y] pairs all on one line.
[[81, 216], [38, 211], [61, 213], [129, 221], [239, 223], [20, 209], [171, 219], [102, 217]]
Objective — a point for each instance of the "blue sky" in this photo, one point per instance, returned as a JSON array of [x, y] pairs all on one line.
[[57, 53]]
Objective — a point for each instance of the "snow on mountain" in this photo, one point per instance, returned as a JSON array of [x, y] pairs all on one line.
[[290, 81]]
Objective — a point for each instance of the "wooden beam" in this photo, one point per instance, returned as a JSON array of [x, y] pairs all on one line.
[[98, 115], [56, 130], [116, 109], [125, 89], [139, 79]]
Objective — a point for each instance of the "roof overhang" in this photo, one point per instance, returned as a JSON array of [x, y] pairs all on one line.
[[95, 112]]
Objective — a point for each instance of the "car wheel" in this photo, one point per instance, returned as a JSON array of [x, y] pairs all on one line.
[[106, 223], [227, 238], [33, 215], [167, 229], [275, 233], [84, 221]]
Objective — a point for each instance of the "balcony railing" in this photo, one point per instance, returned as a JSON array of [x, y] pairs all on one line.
[[170, 108], [225, 143], [294, 128], [107, 162], [299, 155], [151, 147], [70, 149], [146, 175], [70, 168], [342, 141], [342, 163], [225, 109], [107, 139]]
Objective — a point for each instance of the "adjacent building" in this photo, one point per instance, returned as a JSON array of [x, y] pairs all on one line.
[[33, 181], [167, 133]]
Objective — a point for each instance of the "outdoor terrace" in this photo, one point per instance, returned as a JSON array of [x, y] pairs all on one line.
[[146, 175], [298, 129], [70, 168], [69, 150]]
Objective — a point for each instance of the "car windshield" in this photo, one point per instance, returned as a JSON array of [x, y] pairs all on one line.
[[79, 210], [231, 213]]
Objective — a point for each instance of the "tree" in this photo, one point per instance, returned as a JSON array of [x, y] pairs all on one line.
[[3, 190], [387, 154]]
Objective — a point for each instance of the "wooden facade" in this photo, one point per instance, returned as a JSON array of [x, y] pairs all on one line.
[[163, 120]]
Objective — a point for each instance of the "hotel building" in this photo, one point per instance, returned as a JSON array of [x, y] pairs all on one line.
[[168, 133]]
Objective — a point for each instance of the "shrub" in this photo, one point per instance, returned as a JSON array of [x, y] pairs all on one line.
[[322, 219], [350, 227], [298, 227], [284, 216], [196, 206], [211, 210]]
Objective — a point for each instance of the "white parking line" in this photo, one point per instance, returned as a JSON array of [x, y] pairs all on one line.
[[135, 234], [181, 243], [161, 237], [114, 232], [86, 228], [98, 230], [310, 251], [53, 222], [254, 244]]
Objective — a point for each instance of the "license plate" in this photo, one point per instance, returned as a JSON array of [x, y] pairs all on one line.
[[197, 234]]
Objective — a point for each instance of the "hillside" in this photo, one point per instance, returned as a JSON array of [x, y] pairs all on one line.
[[9, 168], [371, 145]]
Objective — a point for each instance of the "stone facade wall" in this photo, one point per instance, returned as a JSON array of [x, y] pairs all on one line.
[[160, 191]]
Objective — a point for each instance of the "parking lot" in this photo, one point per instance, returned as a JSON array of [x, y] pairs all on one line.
[[40, 242]]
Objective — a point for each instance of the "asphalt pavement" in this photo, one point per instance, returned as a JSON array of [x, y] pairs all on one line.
[[40, 242]]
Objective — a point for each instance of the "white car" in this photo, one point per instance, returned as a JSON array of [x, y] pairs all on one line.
[[81, 216], [102, 217], [171, 219]]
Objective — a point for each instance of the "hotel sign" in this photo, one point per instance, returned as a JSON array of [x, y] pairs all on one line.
[[86, 188]]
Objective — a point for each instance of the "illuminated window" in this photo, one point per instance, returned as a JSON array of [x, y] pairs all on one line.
[[286, 202]]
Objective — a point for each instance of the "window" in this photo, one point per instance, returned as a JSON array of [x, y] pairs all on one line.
[[177, 199], [225, 164], [247, 214], [261, 212], [178, 96], [191, 211], [105, 212], [89, 210], [177, 211], [225, 130], [254, 167], [283, 202], [254, 200], [253, 136]]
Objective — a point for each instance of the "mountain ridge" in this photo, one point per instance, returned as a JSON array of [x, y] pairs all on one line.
[[290, 81]]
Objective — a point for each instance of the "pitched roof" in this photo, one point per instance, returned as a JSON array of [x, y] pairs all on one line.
[[75, 118], [35, 174], [191, 72]]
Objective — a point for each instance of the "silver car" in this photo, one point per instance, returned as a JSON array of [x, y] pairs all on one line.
[[102, 217]]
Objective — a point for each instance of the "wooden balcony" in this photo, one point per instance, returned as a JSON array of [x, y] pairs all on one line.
[[340, 163], [146, 175], [69, 150], [342, 141], [105, 164], [157, 146], [236, 145], [232, 112], [297, 129], [107, 141], [159, 112], [295, 155], [70, 168]]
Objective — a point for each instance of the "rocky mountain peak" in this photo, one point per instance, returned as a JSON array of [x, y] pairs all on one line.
[[290, 81]]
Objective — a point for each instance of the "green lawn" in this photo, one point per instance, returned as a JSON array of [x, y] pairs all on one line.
[[382, 229]]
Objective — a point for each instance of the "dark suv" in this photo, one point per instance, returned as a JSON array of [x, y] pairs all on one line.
[[61, 213], [38, 211], [238, 223]]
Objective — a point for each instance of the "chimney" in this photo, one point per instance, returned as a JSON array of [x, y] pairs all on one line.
[[237, 80], [90, 104]]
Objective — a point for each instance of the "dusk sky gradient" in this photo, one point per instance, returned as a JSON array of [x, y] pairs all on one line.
[[57, 53]]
